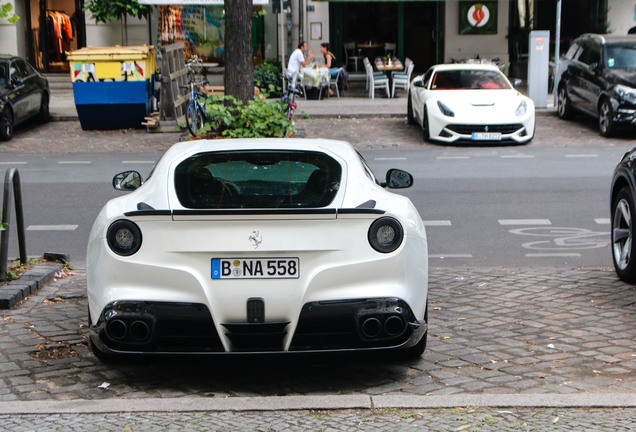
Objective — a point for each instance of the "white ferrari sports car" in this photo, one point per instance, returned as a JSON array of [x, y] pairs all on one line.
[[258, 246], [469, 103]]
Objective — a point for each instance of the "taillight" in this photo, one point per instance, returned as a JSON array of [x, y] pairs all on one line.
[[385, 234], [124, 237]]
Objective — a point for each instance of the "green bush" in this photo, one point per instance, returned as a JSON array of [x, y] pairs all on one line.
[[257, 118], [267, 77]]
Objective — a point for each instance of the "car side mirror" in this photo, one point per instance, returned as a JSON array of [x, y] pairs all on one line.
[[127, 181], [398, 179], [15, 80], [516, 82], [595, 67], [418, 83]]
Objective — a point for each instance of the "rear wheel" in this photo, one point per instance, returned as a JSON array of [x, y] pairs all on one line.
[[417, 350], [622, 235], [564, 106], [606, 124], [194, 118], [6, 125], [44, 114]]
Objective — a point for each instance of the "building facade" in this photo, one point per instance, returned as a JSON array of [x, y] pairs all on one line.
[[427, 31]]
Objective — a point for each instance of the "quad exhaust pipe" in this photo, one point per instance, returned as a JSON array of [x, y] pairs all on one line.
[[391, 326], [137, 331]]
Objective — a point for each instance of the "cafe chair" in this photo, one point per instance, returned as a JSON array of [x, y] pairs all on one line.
[[350, 54], [377, 74], [389, 49], [375, 82], [402, 80], [334, 82]]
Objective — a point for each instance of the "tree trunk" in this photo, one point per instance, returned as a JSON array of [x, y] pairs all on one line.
[[125, 21], [239, 66]]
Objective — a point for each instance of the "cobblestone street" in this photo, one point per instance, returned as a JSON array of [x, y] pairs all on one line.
[[492, 331]]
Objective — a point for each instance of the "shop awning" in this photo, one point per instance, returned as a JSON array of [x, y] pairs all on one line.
[[194, 2]]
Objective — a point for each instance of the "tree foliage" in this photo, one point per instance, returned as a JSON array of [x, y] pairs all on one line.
[[5, 12], [109, 10]]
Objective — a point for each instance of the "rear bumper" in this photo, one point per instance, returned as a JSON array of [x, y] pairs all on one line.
[[166, 328]]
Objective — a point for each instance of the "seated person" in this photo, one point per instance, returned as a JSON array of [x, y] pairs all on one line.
[[297, 59]]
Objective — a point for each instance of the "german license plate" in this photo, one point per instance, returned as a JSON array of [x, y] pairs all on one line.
[[255, 268], [487, 136]]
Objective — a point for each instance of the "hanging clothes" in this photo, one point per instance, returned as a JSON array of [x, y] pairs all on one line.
[[60, 30]]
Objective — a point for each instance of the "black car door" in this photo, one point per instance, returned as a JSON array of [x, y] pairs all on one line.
[[31, 87], [591, 78], [18, 94]]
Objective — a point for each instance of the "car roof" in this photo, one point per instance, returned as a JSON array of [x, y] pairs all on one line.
[[607, 38], [466, 66], [341, 148]]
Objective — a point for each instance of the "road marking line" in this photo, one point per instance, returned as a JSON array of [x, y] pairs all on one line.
[[13, 163], [74, 162], [520, 156], [52, 227], [603, 221], [550, 255], [137, 162], [525, 222], [389, 158], [452, 157], [451, 256], [436, 222], [581, 155]]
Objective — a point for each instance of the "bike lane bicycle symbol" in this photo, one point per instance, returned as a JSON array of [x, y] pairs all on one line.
[[563, 238]]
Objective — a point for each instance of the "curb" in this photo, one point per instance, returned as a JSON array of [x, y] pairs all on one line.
[[29, 283], [296, 403]]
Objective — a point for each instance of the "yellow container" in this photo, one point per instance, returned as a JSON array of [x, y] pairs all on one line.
[[118, 63]]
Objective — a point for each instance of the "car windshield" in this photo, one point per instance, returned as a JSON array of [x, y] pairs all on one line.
[[620, 56], [468, 79], [4, 73], [257, 179]]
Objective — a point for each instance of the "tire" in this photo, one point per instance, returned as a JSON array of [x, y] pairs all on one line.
[[410, 118], [194, 118], [564, 105], [606, 124], [416, 351], [6, 125], [101, 355], [623, 248], [44, 114], [426, 135]]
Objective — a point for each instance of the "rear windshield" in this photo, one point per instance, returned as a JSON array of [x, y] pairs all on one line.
[[468, 80], [257, 179], [621, 56]]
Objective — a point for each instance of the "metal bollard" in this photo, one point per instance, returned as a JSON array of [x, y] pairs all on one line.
[[12, 177]]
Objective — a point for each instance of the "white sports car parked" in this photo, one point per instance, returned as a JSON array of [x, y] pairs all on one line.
[[469, 103], [258, 245]]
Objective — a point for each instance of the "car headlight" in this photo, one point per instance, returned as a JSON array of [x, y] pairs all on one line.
[[521, 109], [385, 234], [124, 237], [627, 94], [445, 110]]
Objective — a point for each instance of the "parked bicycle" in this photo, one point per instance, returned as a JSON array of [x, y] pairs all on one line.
[[289, 98], [195, 113]]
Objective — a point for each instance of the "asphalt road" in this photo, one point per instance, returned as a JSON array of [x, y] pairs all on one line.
[[509, 206]]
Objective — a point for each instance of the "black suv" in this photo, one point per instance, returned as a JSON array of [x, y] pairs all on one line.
[[598, 77]]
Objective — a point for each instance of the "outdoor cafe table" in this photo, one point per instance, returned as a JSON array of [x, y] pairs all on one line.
[[314, 76], [383, 65]]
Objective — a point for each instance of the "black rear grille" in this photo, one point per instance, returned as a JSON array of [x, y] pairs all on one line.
[[248, 337], [469, 129]]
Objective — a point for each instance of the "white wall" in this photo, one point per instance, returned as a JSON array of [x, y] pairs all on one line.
[[9, 34], [487, 46], [109, 34], [621, 16], [321, 15]]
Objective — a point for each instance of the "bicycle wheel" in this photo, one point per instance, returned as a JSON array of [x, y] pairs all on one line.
[[194, 117]]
